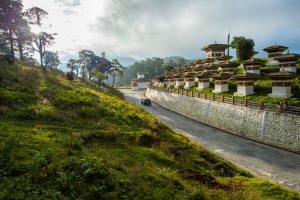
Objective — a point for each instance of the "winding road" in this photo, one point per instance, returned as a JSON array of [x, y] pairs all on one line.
[[261, 160]]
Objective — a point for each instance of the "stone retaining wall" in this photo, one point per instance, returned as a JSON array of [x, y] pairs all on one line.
[[276, 129]]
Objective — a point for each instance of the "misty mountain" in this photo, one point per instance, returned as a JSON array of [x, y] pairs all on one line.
[[176, 59], [125, 61]]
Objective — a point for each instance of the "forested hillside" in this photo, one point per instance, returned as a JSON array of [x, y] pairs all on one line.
[[151, 67]]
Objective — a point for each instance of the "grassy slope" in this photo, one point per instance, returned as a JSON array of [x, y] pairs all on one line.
[[66, 140]]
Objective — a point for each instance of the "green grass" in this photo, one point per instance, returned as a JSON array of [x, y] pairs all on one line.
[[65, 139]]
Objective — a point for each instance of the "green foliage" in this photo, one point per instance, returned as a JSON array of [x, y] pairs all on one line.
[[263, 86], [151, 67], [6, 148], [238, 71], [269, 69], [80, 142], [244, 47], [116, 70], [296, 88], [88, 61], [232, 86], [98, 76], [73, 65], [51, 59], [10, 20]]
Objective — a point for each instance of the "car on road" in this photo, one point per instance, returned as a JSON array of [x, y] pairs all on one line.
[[146, 102]]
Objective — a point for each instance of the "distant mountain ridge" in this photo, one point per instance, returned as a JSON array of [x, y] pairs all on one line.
[[125, 61], [176, 59]]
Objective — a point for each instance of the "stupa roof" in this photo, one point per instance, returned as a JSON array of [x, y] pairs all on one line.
[[185, 69], [246, 76], [211, 66], [287, 57], [281, 75], [199, 68], [189, 75], [220, 47], [169, 76], [222, 75], [203, 75], [253, 61], [275, 48], [228, 65], [197, 62], [179, 75], [208, 60], [223, 57]]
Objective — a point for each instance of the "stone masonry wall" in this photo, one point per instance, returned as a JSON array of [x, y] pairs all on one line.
[[276, 129]]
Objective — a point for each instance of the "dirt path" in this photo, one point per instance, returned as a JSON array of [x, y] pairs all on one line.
[[262, 160]]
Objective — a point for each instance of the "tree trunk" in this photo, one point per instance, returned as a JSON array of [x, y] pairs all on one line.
[[41, 51], [77, 71], [20, 46], [41, 59], [114, 78], [12, 53], [89, 75]]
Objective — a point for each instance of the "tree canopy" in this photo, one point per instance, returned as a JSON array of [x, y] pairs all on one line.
[[11, 19], [244, 47], [16, 33], [51, 59], [116, 70], [151, 67]]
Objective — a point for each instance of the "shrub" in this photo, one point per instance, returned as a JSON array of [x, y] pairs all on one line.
[[225, 169], [13, 98], [232, 85], [148, 140], [105, 182], [26, 112], [3, 109], [296, 87], [239, 71], [91, 112], [263, 86], [46, 111], [73, 141], [40, 160], [269, 69], [6, 148], [197, 196], [72, 99]]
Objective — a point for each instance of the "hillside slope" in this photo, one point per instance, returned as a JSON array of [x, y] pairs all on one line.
[[64, 139]]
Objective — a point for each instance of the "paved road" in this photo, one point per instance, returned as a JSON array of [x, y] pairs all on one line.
[[262, 160]]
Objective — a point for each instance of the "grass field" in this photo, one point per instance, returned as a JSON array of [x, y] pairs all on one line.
[[65, 139]]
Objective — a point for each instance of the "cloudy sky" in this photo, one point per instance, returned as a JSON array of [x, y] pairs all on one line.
[[147, 28]]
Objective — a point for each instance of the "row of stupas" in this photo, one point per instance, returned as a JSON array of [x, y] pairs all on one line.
[[217, 66]]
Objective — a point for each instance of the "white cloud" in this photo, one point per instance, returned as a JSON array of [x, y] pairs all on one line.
[[146, 28], [69, 3]]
